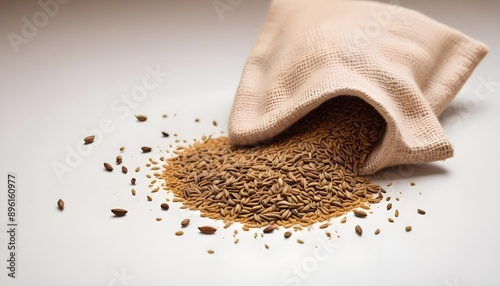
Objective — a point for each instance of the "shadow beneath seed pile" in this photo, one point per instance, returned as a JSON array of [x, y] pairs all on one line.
[[410, 171]]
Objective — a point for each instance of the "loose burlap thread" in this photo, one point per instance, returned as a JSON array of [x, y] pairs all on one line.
[[406, 65]]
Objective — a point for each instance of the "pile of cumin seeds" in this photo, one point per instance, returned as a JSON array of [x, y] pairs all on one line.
[[307, 174]]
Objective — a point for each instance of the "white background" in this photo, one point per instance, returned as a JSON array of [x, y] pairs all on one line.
[[70, 77]]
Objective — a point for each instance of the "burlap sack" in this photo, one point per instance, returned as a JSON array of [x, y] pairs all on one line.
[[406, 65]]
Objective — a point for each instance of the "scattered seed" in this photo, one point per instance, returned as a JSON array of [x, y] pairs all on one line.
[[108, 167], [214, 123], [137, 169], [179, 233], [185, 222], [158, 219], [389, 184], [122, 148], [343, 220], [408, 228], [60, 204], [146, 149], [377, 231], [165, 134], [119, 212], [389, 206], [390, 220], [89, 139], [197, 120], [328, 234], [149, 198], [266, 246], [421, 211], [412, 184], [388, 198], [133, 192], [236, 240], [396, 213], [397, 199], [124, 170], [210, 251], [164, 206], [207, 229], [287, 234], [269, 229], [358, 230], [359, 213], [141, 117], [300, 241], [132, 181], [325, 225]]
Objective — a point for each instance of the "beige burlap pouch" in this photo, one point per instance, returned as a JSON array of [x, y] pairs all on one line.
[[406, 65]]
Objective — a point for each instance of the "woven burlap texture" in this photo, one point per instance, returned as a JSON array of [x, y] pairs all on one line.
[[406, 65]]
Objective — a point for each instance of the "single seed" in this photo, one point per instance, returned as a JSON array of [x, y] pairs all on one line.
[[60, 204], [328, 234], [269, 229], [325, 225], [119, 159], [165, 134], [412, 184], [421, 211], [344, 219], [141, 117], [236, 240], [207, 229], [124, 170], [89, 139], [397, 199], [396, 213], [300, 241], [185, 222], [119, 212], [149, 198], [122, 148], [164, 206], [137, 169], [146, 149], [359, 213], [389, 184], [408, 228], [214, 123], [266, 246], [132, 181], [158, 219], [388, 198], [390, 220], [389, 206], [358, 230], [179, 233], [287, 234], [108, 167], [210, 251], [133, 192], [377, 231], [197, 120]]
